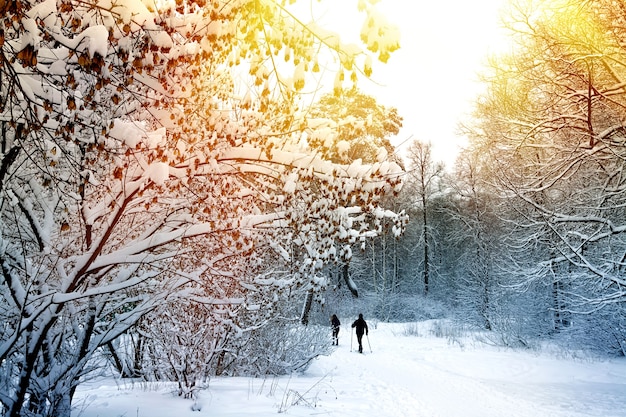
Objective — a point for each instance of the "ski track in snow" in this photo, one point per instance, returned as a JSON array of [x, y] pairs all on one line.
[[401, 376]]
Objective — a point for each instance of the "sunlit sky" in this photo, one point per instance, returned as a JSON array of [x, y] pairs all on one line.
[[432, 80]]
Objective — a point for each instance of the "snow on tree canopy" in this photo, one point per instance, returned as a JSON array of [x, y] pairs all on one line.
[[128, 132], [141, 186], [158, 172]]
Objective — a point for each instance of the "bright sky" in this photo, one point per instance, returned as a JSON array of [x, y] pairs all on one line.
[[432, 79]]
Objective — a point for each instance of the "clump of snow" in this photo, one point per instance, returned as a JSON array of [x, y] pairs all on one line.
[[291, 183], [343, 146], [134, 12], [96, 39], [156, 138], [299, 76], [381, 154], [46, 10], [130, 133], [158, 172], [354, 168], [163, 40]]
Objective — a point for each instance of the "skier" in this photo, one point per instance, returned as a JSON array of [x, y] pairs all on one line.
[[361, 326], [335, 323]]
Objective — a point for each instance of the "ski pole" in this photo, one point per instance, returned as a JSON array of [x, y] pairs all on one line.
[[351, 337], [368, 342]]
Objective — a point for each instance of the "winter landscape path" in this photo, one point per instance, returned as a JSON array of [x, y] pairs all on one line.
[[402, 376], [430, 377]]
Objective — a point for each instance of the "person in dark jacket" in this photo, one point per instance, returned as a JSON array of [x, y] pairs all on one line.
[[361, 327], [335, 323]]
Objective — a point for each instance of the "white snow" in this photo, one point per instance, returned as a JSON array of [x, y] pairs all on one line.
[[45, 10], [97, 39], [421, 376], [291, 183], [129, 132], [158, 172]]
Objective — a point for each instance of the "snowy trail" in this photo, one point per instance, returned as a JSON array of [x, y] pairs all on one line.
[[427, 377], [404, 376]]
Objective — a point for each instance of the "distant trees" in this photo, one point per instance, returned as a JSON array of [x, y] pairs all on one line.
[[132, 174], [474, 208], [393, 270]]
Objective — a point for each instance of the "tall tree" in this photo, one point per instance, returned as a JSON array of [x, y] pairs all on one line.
[[131, 174], [478, 232], [424, 174], [363, 129], [552, 127]]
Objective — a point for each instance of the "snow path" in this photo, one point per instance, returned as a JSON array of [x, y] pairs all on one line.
[[403, 376], [428, 377]]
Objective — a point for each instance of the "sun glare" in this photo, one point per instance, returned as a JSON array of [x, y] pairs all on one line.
[[433, 78]]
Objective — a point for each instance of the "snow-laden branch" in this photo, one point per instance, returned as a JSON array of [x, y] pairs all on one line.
[[62, 298]]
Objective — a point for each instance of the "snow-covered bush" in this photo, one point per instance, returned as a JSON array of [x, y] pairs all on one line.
[[278, 348], [411, 329], [603, 332], [414, 307], [451, 330], [188, 342]]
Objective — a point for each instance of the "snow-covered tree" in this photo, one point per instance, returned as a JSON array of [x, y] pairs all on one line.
[[478, 231], [363, 127], [424, 174], [552, 128], [135, 169]]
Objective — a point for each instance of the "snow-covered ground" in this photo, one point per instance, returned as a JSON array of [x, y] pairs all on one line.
[[402, 375]]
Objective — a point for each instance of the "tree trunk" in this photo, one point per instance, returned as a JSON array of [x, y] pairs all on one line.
[[426, 253], [351, 285], [307, 308], [560, 321], [484, 310]]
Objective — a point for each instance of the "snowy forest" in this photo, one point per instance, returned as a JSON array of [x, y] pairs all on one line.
[[185, 193]]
